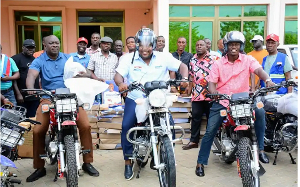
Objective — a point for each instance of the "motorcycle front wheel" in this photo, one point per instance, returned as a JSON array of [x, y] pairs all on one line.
[[167, 175], [72, 176], [245, 157]]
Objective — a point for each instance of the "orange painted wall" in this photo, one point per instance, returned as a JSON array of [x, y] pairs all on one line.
[[134, 18]]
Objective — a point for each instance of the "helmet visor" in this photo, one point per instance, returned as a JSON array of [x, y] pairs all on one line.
[[146, 41]]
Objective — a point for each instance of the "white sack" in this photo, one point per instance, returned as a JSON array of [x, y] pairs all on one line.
[[288, 104], [72, 69], [141, 110], [85, 88]]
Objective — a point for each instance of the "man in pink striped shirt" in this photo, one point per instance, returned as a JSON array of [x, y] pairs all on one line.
[[230, 75]]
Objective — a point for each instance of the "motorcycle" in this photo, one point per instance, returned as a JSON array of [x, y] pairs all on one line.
[[11, 136], [281, 126], [62, 146], [152, 137]]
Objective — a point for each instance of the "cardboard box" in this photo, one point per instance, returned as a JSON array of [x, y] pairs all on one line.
[[95, 135], [178, 115], [96, 130], [26, 150], [110, 141], [109, 146], [182, 105], [184, 125], [95, 108], [94, 125], [95, 141], [92, 113], [93, 119], [109, 136], [110, 125]]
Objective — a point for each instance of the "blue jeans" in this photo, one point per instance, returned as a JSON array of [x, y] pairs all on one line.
[[214, 122], [11, 97], [129, 121]]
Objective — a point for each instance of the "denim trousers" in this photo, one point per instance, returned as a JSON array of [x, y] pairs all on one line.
[[214, 122]]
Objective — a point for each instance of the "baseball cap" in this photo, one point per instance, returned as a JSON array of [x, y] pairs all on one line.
[[257, 37], [273, 37], [106, 39], [29, 42], [82, 39]]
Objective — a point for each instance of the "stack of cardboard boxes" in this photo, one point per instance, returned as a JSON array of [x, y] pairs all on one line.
[[106, 125], [182, 115]]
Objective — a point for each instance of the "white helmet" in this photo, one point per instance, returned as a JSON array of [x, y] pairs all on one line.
[[234, 36]]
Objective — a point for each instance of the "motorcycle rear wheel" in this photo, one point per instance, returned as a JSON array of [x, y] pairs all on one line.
[[245, 157], [72, 175], [167, 176]]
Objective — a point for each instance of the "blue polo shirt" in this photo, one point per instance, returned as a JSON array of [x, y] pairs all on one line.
[[83, 60], [158, 69], [51, 71]]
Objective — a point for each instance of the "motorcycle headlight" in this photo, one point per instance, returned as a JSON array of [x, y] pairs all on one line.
[[157, 98]]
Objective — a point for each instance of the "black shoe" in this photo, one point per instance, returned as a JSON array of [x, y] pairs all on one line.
[[263, 157], [90, 169], [128, 173], [152, 164], [200, 171], [36, 175]]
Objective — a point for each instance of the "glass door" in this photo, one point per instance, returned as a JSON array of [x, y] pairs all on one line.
[[115, 33], [26, 32]]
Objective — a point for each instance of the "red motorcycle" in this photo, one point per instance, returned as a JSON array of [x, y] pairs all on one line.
[[62, 146]]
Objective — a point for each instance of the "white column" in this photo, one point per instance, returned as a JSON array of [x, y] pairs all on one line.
[[163, 20], [274, 18]]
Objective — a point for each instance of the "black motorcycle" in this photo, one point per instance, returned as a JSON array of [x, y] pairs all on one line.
[[281, 129]]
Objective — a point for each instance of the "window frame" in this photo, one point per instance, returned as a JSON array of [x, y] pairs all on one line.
[[216, 22], [39, 24], [289, 18]]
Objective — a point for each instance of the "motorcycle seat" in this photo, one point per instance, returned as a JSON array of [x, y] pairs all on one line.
[[240, 96], [150, 86]]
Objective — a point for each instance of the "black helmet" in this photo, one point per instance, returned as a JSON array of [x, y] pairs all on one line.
[[234, 36], [145, 37]]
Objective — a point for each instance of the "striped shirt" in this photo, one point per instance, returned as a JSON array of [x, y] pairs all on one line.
[[103, 67], [90, 51]]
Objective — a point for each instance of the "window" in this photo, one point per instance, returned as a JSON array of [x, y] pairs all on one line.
[[106, 23], [291, 24], [100, 17], [36, 25], [214, 22]]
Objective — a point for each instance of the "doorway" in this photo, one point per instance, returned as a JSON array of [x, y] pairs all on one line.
[[87, 31]]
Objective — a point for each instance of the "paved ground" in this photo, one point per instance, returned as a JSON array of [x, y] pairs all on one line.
[[110, 165]]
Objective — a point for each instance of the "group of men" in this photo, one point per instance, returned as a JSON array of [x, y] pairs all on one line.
[[208, 71]]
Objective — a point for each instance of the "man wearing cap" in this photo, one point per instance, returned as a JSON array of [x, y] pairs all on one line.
[[81, 56], [9, 72], [23, 61], [258, 53], [276, 64], [103, 63]]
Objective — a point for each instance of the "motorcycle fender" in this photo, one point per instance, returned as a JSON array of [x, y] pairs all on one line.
[[7, 162], [242, 128], [67, 123]]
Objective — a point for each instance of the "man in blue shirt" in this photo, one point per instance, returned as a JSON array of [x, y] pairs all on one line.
[[144, 65], [50, 66], [81, 56]]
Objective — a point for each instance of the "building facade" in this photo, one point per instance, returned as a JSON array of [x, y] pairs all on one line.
[[194, 19]]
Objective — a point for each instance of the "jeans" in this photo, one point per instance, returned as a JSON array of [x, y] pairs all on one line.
[[11, 97], [31, 107], [129, 121], [214, 122]]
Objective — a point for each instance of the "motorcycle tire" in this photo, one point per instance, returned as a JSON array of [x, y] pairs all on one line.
[[167, 176], [245, 157], [72, 175]]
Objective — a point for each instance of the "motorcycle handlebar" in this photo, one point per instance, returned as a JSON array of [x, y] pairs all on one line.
[[39, 92]]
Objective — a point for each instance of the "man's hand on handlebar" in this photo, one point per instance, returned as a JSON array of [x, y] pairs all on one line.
[[123, 87], [270, 84]]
